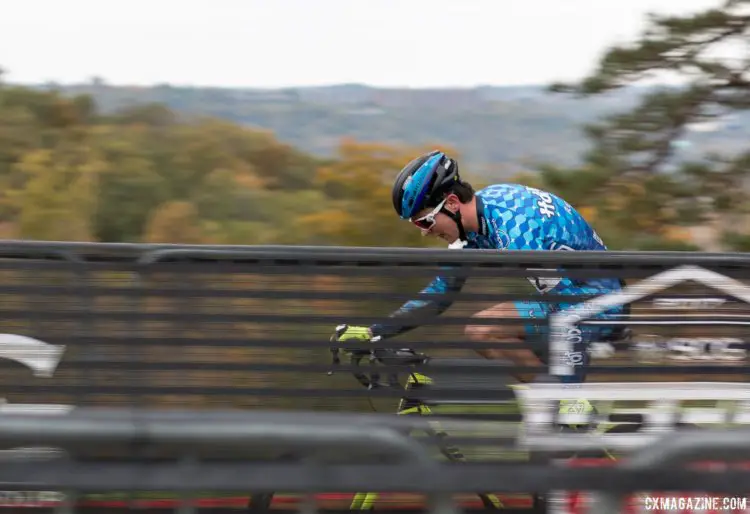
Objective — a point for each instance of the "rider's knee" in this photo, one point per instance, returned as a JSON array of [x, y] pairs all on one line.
[[477, 331]]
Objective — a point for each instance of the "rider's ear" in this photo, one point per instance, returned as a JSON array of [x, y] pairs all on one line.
[[452, 203]]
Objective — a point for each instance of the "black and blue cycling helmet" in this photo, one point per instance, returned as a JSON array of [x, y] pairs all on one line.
[[421, 182]]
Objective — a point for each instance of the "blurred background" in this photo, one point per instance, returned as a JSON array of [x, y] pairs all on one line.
[[250, 122]]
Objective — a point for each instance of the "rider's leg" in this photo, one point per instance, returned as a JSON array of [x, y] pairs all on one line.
[[537, 334], [505, 334]]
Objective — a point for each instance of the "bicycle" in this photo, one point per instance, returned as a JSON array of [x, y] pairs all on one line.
[[408, 405], [411, 404]]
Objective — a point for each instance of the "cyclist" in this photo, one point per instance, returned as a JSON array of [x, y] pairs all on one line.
[[430, 193]]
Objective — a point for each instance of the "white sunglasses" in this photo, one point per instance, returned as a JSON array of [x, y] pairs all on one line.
[[427, 221]]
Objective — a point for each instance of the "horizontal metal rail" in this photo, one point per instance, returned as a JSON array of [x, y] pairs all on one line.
[[230, 391], [350, 434], [182, 290], [348, 478], [341, 452], [418, 256], [738, 368], [500, 267]]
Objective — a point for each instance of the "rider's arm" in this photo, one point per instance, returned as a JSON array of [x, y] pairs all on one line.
[[414, 312]]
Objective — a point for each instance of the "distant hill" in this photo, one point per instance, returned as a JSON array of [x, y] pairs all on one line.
[[498, 130]]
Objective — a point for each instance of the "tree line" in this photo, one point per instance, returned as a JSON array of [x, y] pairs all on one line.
[[148, 174]]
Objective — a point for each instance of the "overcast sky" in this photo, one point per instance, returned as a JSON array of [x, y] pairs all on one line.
[[271, 43]]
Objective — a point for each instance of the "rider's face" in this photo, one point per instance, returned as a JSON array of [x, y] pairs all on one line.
[[443, 227]]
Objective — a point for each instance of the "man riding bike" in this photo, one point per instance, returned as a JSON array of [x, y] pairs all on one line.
[[429, 193]]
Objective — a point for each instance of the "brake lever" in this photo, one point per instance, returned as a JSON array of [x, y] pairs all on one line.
[[335, 359]]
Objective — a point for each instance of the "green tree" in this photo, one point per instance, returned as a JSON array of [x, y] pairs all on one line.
[[58, 197], [174, 222], [639, 150], [131, 187]]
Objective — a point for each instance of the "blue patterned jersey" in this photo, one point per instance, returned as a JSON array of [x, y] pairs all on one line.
[[517, 217]]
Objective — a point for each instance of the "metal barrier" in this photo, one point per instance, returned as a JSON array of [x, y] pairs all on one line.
[[212, 328], [122, 311], [224, 451]]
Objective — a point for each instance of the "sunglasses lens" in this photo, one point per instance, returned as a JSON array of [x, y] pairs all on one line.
[[424, 224]]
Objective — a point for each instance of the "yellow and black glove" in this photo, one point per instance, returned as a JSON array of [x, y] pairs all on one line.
[[360, 343], [351, 333]]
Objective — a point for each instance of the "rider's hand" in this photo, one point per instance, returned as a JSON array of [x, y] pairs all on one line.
[[347, 334], [352, 333]]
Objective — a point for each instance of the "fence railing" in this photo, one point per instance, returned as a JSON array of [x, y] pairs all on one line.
[[250, 327], [187, 451], [203, 329]]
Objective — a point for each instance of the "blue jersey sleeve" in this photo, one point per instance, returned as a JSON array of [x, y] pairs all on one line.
[[412, 313]]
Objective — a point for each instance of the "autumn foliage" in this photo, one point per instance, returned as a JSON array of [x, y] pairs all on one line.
[[149, 174]]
